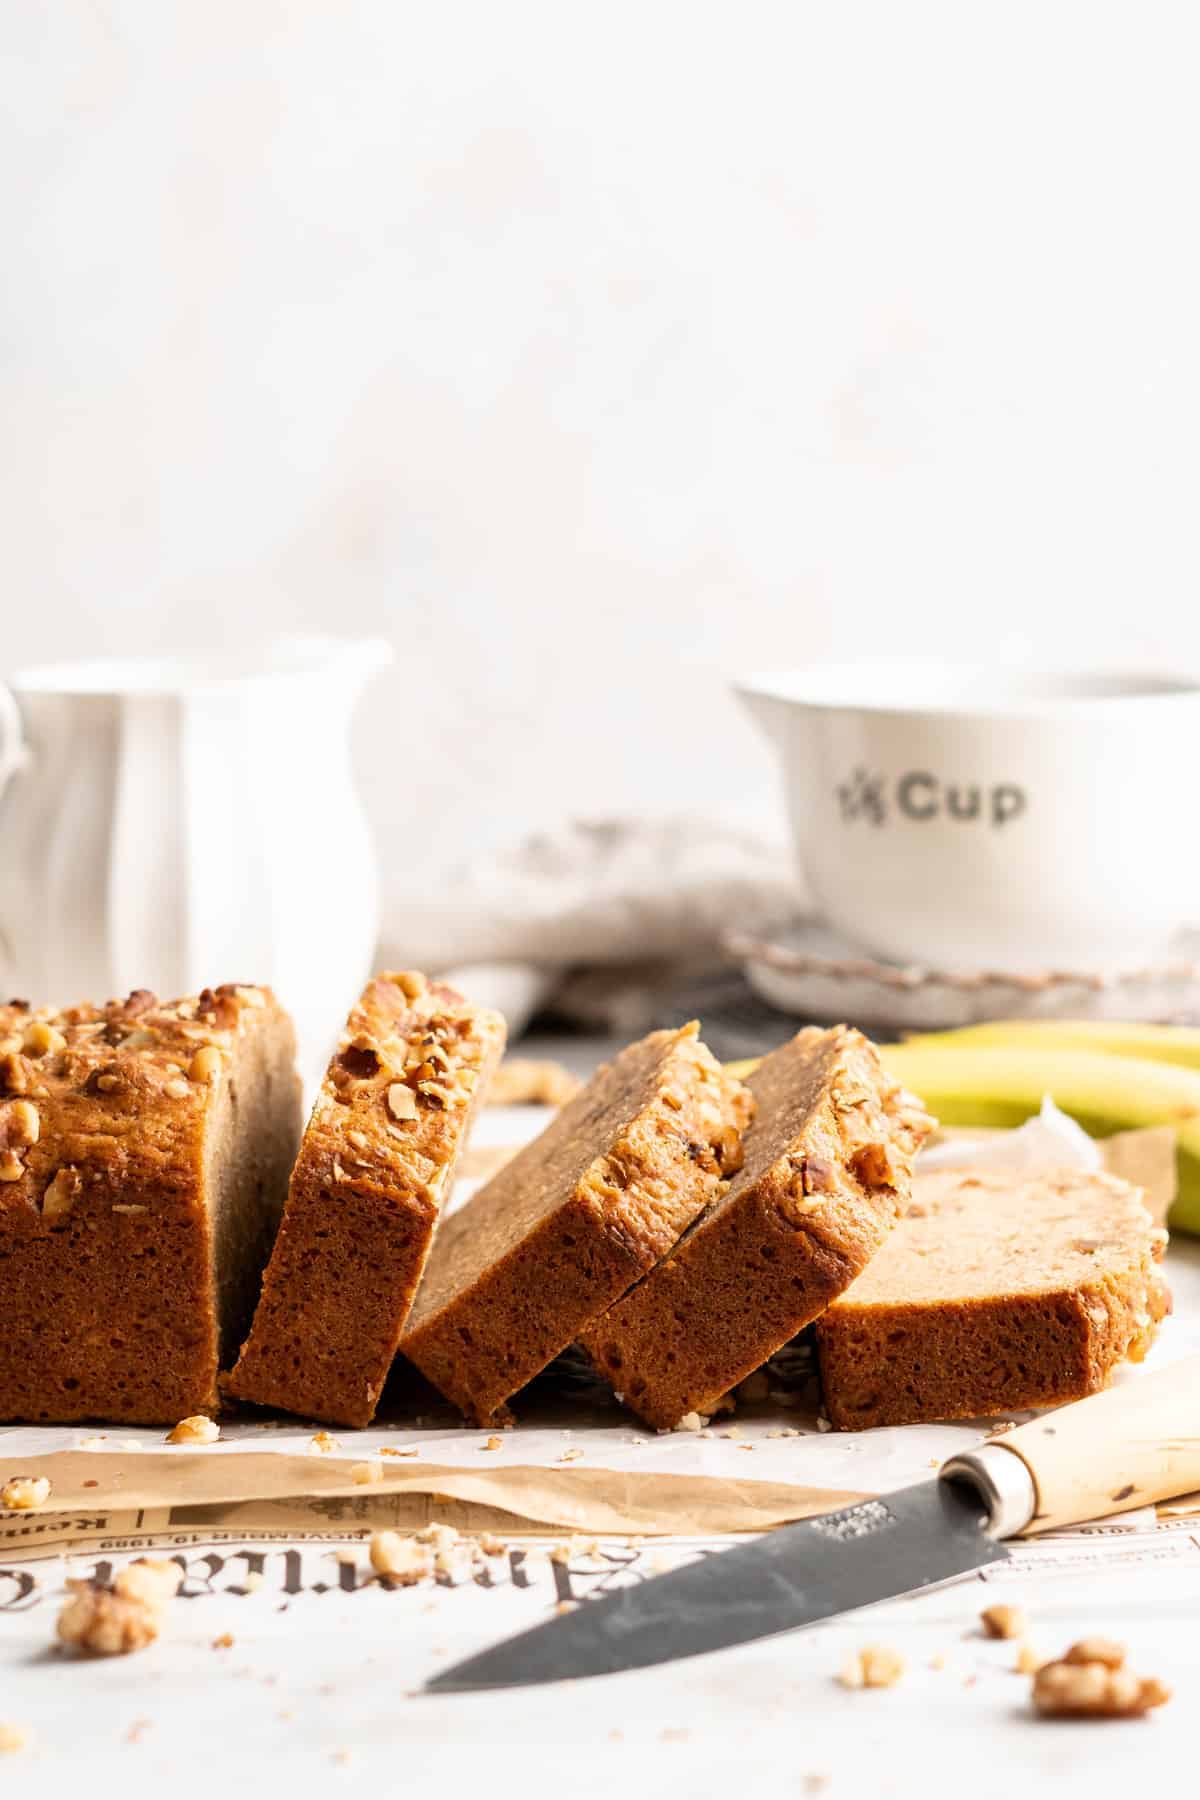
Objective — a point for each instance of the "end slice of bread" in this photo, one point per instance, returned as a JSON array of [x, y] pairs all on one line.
[[145, 1159]]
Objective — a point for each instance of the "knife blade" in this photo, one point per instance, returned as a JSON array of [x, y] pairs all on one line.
[[875, 1550], [1135, 1443]]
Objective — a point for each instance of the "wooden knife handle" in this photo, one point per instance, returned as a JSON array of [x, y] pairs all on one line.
[[1133, 1444]]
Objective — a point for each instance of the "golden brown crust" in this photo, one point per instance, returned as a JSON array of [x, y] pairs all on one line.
[[826, 1162], [995, 1293], [565, 1227], [377, 1162], [114, 1120]]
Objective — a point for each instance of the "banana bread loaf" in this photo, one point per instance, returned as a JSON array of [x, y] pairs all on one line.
[[564, 1228], [827, 1162], [144, 1158], [375, 1167], [995, 1292]]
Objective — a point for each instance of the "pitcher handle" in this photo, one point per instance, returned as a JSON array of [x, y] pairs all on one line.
[[14, 751]]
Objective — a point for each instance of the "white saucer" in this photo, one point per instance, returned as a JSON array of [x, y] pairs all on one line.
[[807, 969]]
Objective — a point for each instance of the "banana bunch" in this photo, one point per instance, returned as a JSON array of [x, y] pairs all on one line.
[[1110, 1077]]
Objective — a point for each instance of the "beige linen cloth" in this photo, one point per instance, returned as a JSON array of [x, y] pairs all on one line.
[[596, 919]]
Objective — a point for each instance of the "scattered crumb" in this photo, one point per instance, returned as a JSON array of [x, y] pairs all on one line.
[[824, 1424], [745, 1446], [322, 1443], [939, 1661], [674, 1734], [490, 1545], [572, 1455], [91, 1443], [1004, 1622], [1001, 1426], [364, 1473], [198, 1429], [389, 1450], [874, 1666], [138, 1730], [690, 1422], [566, 1606], [25, 1493], [493, 1443], [1028, 1660], [341, 1757], [224, 1642], [13, 1737], [735, 1431]]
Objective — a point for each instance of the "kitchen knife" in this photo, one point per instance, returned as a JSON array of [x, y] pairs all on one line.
[[1136, 1443]]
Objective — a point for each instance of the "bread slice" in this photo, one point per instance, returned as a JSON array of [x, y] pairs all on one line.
[[564, 1228], [377, 1162], [827, 1162], [144, 1158], [995, 1292]]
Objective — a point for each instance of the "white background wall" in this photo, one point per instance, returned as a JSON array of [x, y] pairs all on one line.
[[592, 352]]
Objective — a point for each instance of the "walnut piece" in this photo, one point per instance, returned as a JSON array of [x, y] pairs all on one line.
[[1004, 1622], [402, 1102], [25, 1493], [194, 1430], [411, 982], [400, 1559], [1080, 1687], [114, 1621], [206, 1064], [61, 1193], [874, 1666]]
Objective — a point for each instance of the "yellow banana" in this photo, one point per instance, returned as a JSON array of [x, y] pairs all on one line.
[[1156, 1043]]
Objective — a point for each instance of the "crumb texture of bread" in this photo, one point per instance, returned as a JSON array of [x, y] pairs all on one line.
[[145, 1148], [994, 1293], [575, 1218], [827, 1164], [376, 1165]]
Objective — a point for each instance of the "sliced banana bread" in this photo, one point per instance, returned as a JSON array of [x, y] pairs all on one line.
[[376, 1165], [827, 1163], [995, 1292], [144, 1158], [564, 1228]]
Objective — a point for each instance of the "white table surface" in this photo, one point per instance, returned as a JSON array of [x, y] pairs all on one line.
[[322, 1697]]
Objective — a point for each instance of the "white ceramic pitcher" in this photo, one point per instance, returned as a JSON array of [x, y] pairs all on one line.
[[174, 824]]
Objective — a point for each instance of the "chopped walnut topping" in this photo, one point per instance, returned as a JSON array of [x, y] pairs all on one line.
[[206, 1064], [402, 1102], [177, 1089], [11, 1166], [874, 1666], [14, 1073], [436, 1090], [20, 1126], [42, 1040], [364, 1473], [398, 1558], [322, 1443], [1004, 1621], [25, 1493], [194, 1430], [1081, 1686], [13, 1737], [61, 1193], [113, 1621], [411, 982]]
